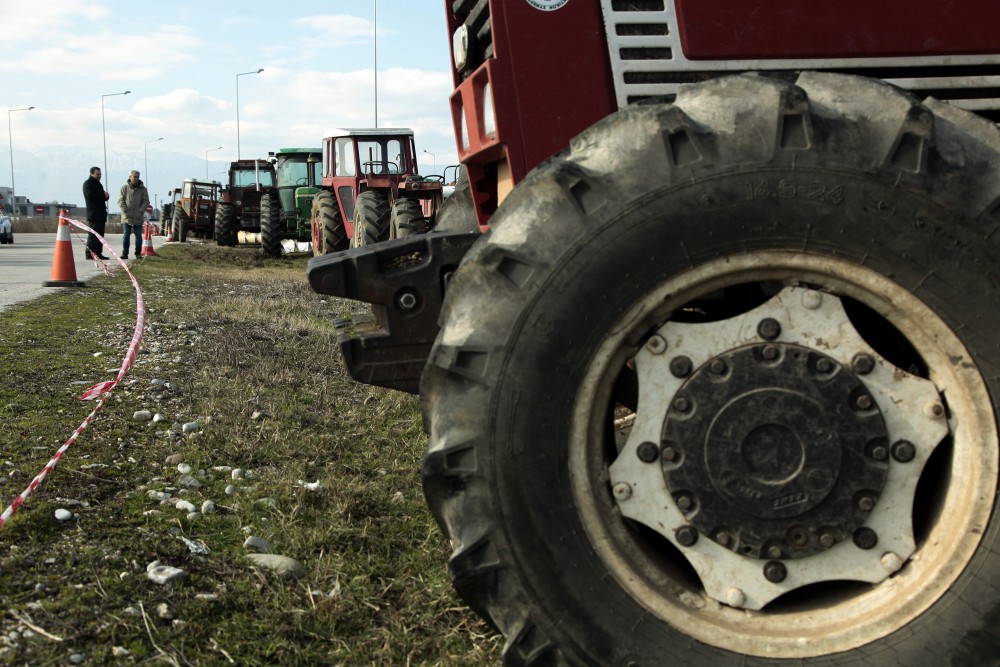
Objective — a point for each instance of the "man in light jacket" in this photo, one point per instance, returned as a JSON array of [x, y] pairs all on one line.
[[133, 201]]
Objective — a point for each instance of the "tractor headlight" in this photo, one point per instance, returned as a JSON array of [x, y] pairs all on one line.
[[460, 47]]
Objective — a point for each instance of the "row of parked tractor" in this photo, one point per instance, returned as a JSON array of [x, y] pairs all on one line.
[[361, 187]]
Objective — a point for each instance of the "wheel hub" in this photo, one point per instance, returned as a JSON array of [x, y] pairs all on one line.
[[778, 451]]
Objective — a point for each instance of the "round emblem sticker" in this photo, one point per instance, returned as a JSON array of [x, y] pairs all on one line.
[[547, 5]]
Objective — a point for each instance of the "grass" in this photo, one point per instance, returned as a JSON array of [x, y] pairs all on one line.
[[251, 355]]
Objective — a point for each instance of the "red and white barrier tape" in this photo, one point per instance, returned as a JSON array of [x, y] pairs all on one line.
[[102, 389]]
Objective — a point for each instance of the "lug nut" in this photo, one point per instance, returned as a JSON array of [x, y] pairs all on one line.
[[770, 352], [648, 452], [735, 598], [866, 503], [684, 502], [824, 365], [724, 538], [622, 491], [863, 402], [769, 328], [865, 538], [891, 561], [775, 572], [812, 299], [827, 539], [934, 409], [774, 551], [862, 363], [681, 404], [717, 367], [656, 344], [669, 454], [407, 301], [681, 367], [880, 453], [903, 451], [798, 536], [686, 536]]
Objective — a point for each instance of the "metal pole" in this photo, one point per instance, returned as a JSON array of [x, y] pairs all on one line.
[[10, 142], [433, 158], [104, 135], [206, 159], [238, 113]]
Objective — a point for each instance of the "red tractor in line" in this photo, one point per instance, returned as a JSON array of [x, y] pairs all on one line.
[[238, 215], [371, 190], [707, 340]]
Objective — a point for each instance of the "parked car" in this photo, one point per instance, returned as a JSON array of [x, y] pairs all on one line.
[[6, 230]]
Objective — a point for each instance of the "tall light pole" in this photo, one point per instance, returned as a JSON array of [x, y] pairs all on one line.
[[10, 141], [104, 135], [206, 159], [433, 157], [238, 108], [145, 164]]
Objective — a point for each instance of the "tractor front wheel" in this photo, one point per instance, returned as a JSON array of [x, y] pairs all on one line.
[[726, 398], [225, 225], [406, 218], [328, 231], [180, 224], [270, 226], [371, 219]]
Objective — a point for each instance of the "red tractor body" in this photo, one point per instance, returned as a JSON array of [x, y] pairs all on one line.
[[706, 338], [372, 190]]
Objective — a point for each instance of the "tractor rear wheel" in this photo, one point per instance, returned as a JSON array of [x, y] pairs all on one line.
[[371, 219], [270, 226], [406, 218], [328, 230], [225, 225], [180, 224], [725, 399]]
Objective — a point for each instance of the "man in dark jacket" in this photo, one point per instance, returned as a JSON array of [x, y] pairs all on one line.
[[96, 198]]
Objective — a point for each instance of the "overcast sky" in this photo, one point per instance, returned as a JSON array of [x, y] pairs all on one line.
[[180, 61]]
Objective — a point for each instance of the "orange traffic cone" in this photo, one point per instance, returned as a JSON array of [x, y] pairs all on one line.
[[170, 231], [63, 266], [147, 243]]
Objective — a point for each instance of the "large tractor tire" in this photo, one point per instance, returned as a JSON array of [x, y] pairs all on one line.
[[225, 225], [270, 226], [180, 224], [371, 219], [719, 387], [328, 231], [457, 213], [406, 218]]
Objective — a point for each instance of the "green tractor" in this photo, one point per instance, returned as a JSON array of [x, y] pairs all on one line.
[[288, 216]]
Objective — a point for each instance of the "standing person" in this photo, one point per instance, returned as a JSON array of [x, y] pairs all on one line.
[[133, 201], [96, 198]]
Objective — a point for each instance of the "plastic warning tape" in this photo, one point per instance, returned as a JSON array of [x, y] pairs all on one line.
[[102, 389]]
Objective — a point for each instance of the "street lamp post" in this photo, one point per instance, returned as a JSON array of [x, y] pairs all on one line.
[[433, 158], [145, 164], [206, 159], [10, 141], [238, 108], [104, 135]]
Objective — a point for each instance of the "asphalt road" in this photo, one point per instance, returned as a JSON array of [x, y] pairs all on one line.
[[27, 263]]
